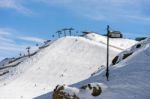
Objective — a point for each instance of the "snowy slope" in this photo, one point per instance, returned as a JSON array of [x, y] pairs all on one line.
[[5, 61], [129, 79], [67, 60], [119, 43]]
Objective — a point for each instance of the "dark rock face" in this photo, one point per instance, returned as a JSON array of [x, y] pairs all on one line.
[[114, 61], [126, 55], [138, 45], [59, 93], [96, 91]]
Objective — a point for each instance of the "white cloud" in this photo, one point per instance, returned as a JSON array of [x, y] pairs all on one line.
[[105, 9], [7, 4], [4, 34], [94, 9], [9, 45], [7, 41], [141, 18], [3, 39], [33, 39], [16, 5]]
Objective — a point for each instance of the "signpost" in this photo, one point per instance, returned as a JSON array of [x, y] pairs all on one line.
[[110, 34], [107, 64]]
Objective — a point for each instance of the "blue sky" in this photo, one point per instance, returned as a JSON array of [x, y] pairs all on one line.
[[27, 22]]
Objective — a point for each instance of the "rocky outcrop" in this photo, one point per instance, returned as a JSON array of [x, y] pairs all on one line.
[[59, 93], [95, 89], [114, 61], [64, 92]]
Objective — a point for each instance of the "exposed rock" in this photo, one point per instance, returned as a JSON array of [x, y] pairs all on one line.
[[59, 93], [126, 55], [138, 45], [64, 92], [95, 89], [114, 61]]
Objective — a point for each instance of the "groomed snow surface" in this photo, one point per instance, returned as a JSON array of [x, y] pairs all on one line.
[[71, 61]]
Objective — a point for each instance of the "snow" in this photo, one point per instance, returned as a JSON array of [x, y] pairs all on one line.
[[72, 91], [62, 60], [68, 60], [129, 79], [82, 93], [5, 61], [119, 43]]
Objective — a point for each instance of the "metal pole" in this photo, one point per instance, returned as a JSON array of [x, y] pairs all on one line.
[[70, 30], [64, 31], [59, 32], [107, 64], [28, 50]]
